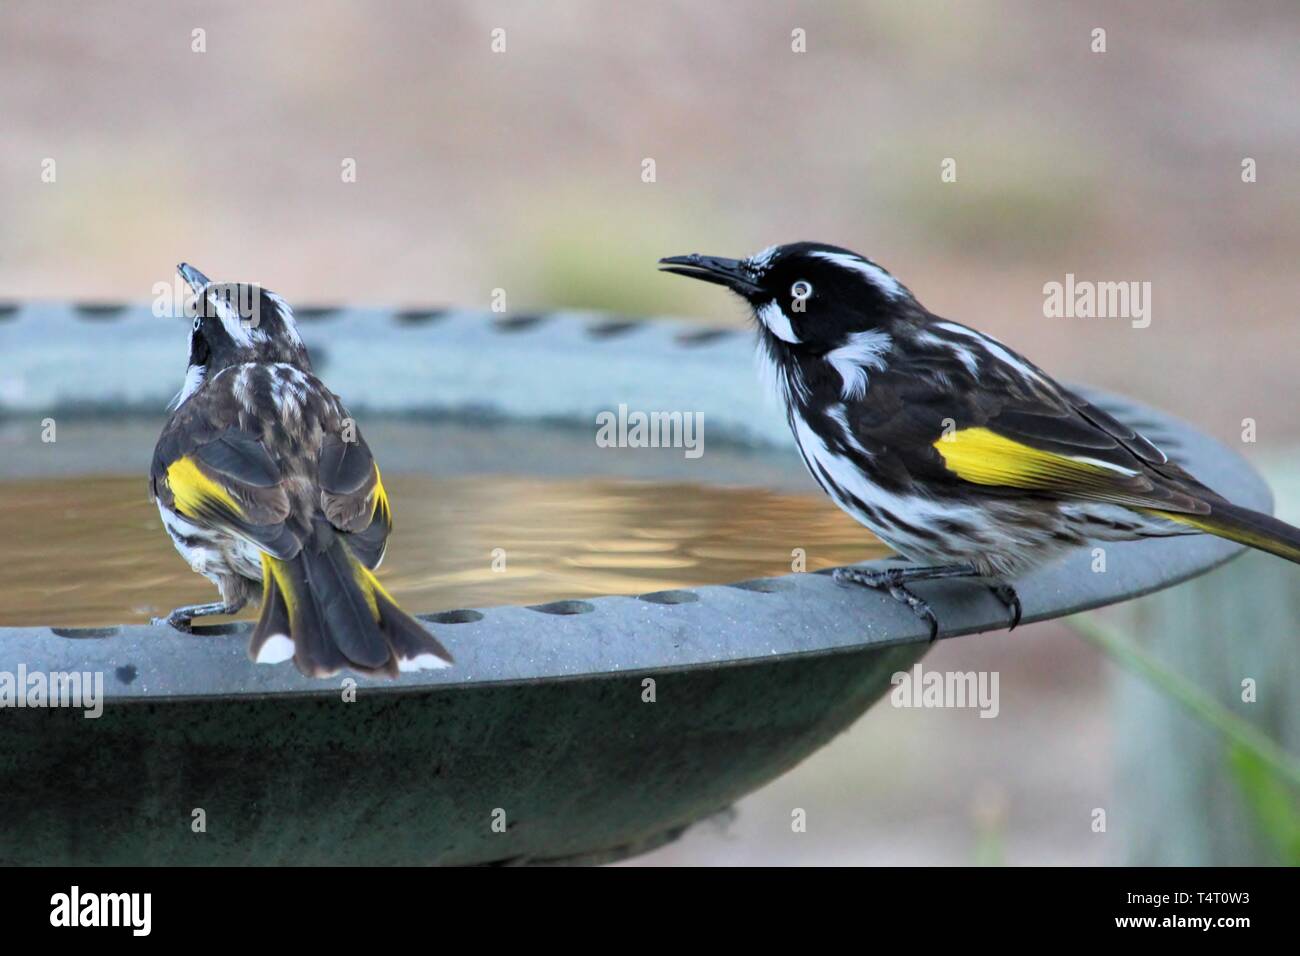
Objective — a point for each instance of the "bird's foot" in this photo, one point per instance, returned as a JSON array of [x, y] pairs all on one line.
[[890, 580], [182, 617], [1010, 600]]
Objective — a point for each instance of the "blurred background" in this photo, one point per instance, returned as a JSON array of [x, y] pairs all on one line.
[[523, 170]]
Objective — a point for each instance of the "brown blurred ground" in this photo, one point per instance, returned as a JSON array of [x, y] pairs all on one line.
[[522, 171]]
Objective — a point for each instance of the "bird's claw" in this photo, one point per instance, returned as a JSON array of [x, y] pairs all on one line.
[[179, 622], [888, 580], [1010, 600], [894, 582], [182, 617]]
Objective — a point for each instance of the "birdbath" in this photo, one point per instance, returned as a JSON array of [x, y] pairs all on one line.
[[576, 730]]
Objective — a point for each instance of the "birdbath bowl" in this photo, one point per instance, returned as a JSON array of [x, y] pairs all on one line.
[[542, 744]]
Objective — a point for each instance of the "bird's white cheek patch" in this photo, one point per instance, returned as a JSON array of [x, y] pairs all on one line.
[[777, 322], [277, 649], [195, 375], [237, 318]]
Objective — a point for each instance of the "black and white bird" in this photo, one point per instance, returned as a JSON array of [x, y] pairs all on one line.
[[264, 482], [961, 455]]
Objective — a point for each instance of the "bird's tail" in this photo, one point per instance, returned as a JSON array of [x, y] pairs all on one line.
[[328, 611], [1245, 527]]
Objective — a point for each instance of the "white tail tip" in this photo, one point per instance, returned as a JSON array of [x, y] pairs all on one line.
[[277, 649]]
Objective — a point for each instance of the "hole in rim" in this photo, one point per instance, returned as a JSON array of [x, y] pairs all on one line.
[[216, 630], [704, 336], [8, 310], [83, 632], [418, 316], [100, 310], [310, 312], [763, 585], [612, 327], [563, 607], [462, 615], [670, 597], [517, 323]]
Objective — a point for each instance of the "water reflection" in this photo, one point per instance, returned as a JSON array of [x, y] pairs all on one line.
[[91, 551]]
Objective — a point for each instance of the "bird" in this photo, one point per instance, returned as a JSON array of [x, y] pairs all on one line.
[[263, 481], [965, 458]]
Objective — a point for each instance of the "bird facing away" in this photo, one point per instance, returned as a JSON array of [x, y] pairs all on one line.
[[961, 455], [262, 477]]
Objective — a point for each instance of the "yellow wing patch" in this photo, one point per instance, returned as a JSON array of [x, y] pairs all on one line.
[[193, 490], [984, 457], [381, 505], [273, 571], [370, 587], [1217, 526]]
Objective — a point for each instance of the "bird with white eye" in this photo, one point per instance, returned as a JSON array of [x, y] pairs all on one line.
[[961, 455]]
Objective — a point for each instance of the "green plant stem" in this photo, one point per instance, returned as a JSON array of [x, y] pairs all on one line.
[[1199, 704]]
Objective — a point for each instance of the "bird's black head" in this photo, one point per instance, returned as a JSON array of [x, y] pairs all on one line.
[[807, 295], [236, 322]]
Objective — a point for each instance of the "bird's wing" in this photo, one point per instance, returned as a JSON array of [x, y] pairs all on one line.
[[995, 421], [353, 497], [222, 477]]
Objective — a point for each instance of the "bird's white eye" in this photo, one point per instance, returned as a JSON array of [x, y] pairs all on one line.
[[198, 320], [801, 289]]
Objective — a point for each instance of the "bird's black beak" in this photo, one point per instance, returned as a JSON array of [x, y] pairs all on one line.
[[731, 273], [197, 280]]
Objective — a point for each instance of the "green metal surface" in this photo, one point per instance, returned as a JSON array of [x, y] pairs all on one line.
[[420, 778]]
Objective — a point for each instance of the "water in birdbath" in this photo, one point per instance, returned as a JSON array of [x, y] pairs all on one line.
[[91, 550]]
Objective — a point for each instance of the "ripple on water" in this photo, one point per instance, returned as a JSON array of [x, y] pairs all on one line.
[[91, 551]]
